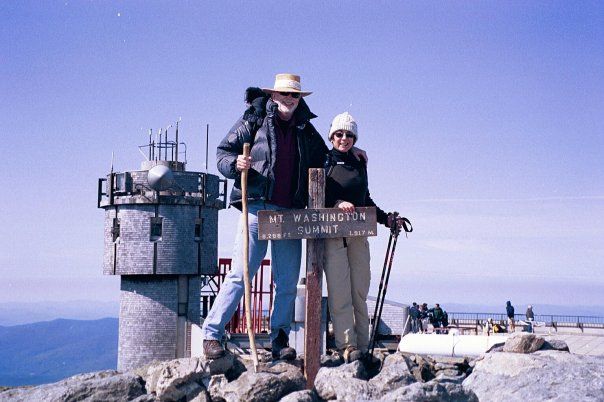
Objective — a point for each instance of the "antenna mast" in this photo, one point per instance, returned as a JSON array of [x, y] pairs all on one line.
[[207, 144]]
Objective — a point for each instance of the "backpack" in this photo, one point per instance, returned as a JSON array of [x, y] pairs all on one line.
[[256, 112]]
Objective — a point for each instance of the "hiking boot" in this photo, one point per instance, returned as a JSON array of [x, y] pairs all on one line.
[[352, 354], [281, 349], [212, 349]]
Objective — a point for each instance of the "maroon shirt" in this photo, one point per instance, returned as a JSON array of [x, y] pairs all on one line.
[[285, 169]]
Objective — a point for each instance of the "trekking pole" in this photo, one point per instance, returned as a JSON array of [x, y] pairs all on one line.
[[375, 323], [379, 302], [246, 258]]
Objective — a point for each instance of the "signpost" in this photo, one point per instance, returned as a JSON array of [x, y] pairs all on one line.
[[315, 224]]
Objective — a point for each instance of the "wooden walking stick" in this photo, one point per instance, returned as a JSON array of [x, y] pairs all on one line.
[[246, 259]]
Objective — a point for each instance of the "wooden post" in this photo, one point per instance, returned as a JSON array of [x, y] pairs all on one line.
[[315, 251]]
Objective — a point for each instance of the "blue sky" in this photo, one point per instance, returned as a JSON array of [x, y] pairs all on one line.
[[482, 121]]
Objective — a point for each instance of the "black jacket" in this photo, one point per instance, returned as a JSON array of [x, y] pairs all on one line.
[[261, 179], [509, 310], [346, 180]]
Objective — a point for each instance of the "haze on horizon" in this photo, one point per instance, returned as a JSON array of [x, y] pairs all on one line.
[[482, 122]]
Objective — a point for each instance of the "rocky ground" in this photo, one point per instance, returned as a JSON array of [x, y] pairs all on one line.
[[526, 368]]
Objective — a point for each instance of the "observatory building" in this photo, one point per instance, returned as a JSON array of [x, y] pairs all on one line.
[[161, 227]]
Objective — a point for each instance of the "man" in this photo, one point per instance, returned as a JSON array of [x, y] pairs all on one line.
[[530, 317], [437, 316], [509, 309], [423, 317], [414, 313], [284, 146]]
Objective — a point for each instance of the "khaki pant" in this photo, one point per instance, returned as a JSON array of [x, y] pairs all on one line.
[[348, 275]]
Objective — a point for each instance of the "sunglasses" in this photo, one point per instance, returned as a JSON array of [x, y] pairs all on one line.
[[294, 95], [340, 134]]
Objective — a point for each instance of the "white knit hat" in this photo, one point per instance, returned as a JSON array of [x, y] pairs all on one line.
[[343, 121]]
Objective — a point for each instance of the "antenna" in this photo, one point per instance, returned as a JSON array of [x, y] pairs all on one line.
[[112, 162], [154, 144], [161, 130], [207, 144], [166, 143], [176, 152]]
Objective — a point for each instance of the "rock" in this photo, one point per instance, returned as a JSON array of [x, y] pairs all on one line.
[[346, 382], [145, 398], [215, 384], [444, 366], [202, 396], [233, 372], [333, 360], [172, 380], [448, 372], [450, 360], [394, 374], [106, 385], [398, 359], [543, 375], [498, 347], [555, 344], [228, 365], [424, 371], [301, 396], [523, 343], [443, 377], [431, 391], [271, 384]]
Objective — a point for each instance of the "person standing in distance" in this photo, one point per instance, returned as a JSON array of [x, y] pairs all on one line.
[[509, 309]]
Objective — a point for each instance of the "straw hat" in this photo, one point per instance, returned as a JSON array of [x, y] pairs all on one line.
[[287, 83]]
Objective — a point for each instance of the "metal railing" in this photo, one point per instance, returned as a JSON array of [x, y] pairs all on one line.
[[262, 298], [555, 321]]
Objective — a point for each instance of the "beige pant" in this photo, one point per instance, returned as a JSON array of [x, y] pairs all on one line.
[[348, 275]]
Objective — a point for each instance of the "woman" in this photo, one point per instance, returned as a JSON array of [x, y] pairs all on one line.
[[347, 259]]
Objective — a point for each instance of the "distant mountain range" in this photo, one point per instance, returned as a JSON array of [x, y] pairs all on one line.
[[15, 313], [48, 351]]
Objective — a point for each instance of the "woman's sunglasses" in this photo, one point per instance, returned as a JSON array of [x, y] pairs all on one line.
[[294, 95], [340, 134]]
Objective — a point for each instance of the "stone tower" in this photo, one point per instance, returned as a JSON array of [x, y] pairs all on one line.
[[161, 227]]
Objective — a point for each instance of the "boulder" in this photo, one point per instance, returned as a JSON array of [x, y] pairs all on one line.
[[346, 382], [523, 343], [555, 344], [431, 391], [394, 374], [333, 360], [443, 377], [449, 360], [543, 375], [170, 380], [270, 384], [301, 396], [106, 385], [423, 371]]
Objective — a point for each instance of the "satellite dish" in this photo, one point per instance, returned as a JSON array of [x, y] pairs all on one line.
[[160, 178]]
